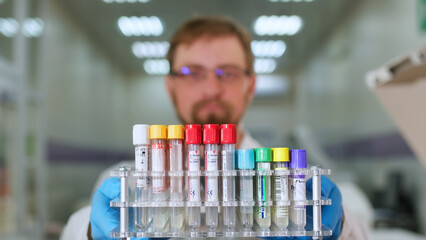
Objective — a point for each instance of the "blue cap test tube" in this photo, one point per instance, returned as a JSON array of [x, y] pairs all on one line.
[[245, 162]]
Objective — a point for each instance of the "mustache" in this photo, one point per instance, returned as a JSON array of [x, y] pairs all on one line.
[[213, 119]]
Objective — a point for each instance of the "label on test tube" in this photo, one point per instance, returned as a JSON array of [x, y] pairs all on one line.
[[298, 189], [142, 164], [281, 183], [194, 183], [225, 179], [159, 164], [212, 192], [261, 186], [176, 150]]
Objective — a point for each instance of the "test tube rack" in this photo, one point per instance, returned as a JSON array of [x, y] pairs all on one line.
[[314, 227]]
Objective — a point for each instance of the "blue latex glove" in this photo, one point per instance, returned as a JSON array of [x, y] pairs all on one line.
[[103, 218], [331, 214]]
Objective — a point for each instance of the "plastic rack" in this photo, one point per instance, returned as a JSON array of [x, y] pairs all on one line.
[[314, 227]]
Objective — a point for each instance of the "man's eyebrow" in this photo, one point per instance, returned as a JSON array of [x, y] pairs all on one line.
[[229, 65]]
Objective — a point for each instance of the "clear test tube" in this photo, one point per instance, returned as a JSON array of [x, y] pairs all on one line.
[[158, 136], [228, 138], [280, 159], [211, 145], [245, 161], [143, 183], [263, 188], [176, 136], [193, 141], [297, 180]]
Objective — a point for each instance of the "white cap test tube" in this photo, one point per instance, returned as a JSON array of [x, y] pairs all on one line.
[[143, 183]]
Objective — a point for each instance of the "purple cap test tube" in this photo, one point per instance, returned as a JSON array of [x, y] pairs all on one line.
[[297, 179]]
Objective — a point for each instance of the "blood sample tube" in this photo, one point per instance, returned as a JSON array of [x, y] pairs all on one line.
[[193, 141], [297, 180], [280, 159], [211, 145], [263, 188], [245, 161]]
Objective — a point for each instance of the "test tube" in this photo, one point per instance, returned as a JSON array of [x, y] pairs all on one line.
[[280, 159], [158, 136], [263, 191], [297, 180], [143, 183], [228, 138], [211, 144], [245, 161], [175, 136], [193, 142]]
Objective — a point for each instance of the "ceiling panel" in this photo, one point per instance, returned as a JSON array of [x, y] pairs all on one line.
[[99, 20]]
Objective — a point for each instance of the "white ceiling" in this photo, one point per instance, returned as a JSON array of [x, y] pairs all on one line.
[[99, 20]]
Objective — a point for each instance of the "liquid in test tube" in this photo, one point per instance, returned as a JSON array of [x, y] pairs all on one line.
[[245, 161], [263, 188], [280, 159], [297, 180], [193, 141], [228, 138], [158, 136], [143, 184], [211, 145], [176, 136]]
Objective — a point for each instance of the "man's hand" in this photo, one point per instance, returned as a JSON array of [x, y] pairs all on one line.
[[103, 218], [331, 214]]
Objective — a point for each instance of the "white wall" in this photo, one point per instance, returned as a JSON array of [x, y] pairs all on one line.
[[332, 95], [335, 103], [87, 97]]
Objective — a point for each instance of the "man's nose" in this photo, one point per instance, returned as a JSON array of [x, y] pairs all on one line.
[[213, 87]]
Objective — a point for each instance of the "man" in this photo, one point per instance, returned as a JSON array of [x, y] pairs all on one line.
[[211, 81]]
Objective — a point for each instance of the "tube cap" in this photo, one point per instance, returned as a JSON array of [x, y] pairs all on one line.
[[158, 132], [193, 134], [211, 134], [175, 132], [298, 158], [140, 134], [228, 134], [280, 154], [263, 154], [245, 158]]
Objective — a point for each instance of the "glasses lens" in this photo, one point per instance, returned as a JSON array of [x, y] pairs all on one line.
[[230, 73]]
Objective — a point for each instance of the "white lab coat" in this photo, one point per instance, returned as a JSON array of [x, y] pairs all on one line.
[[77, 225]]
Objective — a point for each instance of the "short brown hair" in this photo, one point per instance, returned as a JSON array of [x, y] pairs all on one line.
[[212, 27]]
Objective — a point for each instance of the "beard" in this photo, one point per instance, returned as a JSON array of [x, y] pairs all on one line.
[[212, 118]]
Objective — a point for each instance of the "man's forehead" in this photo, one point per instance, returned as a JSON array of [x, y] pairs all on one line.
[[218, 50]]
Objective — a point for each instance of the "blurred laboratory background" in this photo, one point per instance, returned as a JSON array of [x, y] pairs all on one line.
[[76, 75]]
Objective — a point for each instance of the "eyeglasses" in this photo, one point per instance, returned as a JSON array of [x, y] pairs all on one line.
[[197, 74]]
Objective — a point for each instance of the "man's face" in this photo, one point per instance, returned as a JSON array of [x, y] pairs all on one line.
[[210, 99]]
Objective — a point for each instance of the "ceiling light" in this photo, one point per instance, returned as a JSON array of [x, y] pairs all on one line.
[[264, 65], [140, 26], [33, 27], [126, 1], [291, 0], [265, 49], [150, 49], [156, 66], [277, 25], [9, 27]]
